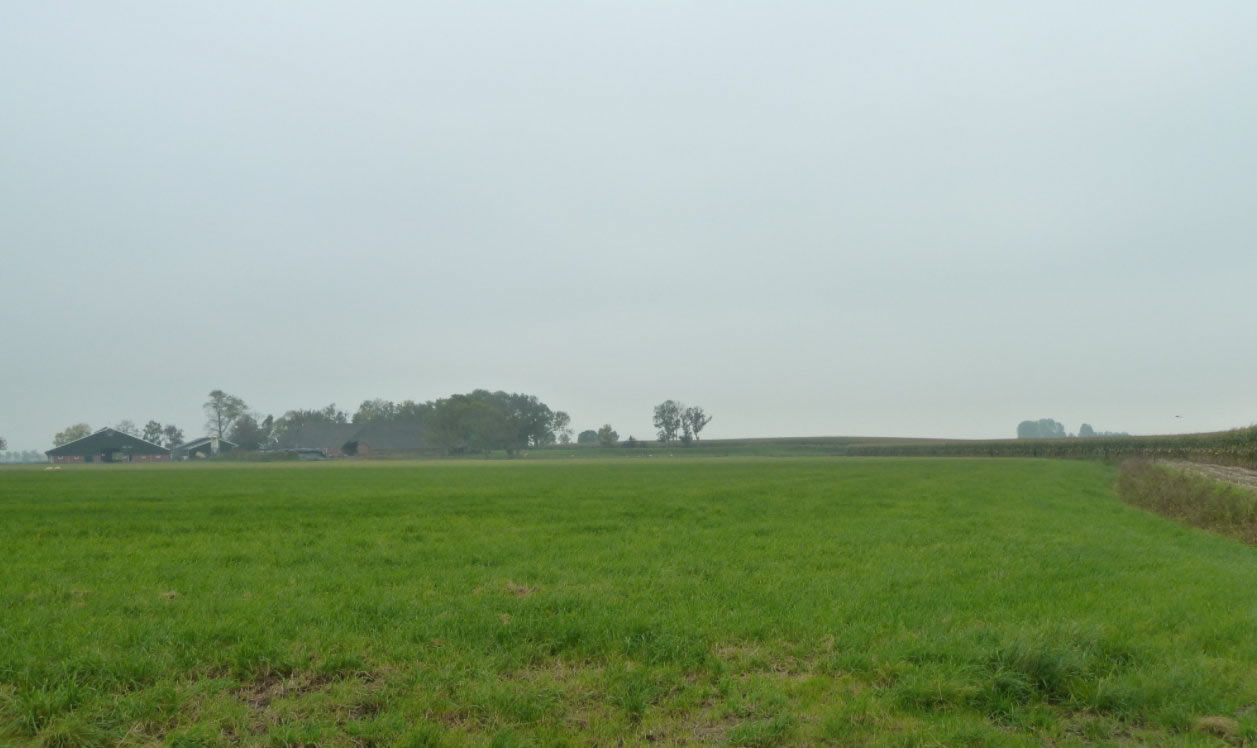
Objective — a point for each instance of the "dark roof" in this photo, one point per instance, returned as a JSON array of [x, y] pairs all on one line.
[[389, 437], [318, 436], [107, 440], [398, 437]]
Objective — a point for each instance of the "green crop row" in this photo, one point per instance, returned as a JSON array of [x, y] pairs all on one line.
[[1234, 447]]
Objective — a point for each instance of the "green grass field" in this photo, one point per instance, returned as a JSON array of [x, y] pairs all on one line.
[[729, 601]]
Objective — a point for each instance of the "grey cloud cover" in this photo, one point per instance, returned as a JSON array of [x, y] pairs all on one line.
[[898, 218]]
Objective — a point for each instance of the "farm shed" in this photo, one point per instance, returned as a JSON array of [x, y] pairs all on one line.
[[109, 445], [206, 446], [332, 438], [381, 438], [328, 437]]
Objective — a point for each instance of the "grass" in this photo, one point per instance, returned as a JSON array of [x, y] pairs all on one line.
[[1214, 505], [733, 601]]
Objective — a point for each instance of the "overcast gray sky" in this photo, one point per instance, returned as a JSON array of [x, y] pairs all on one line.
[[875, 218]]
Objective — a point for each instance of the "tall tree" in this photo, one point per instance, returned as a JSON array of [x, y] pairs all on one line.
[[668, 420], [588, 436], [561, 425], [3, 443], [247, 433], [127, 426], [173, 436], [693, 420], [607, 436], [72, 433], [221, 411], [152, 432]]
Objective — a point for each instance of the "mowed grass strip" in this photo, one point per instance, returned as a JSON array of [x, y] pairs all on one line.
[[749, 602]]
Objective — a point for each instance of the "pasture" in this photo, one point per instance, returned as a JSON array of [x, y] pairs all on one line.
[[728, 601]]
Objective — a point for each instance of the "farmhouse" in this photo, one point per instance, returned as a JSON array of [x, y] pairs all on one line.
[[109, 445], [206, 446]]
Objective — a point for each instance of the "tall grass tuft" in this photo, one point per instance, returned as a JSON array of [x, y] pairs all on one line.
[[1212, 505]]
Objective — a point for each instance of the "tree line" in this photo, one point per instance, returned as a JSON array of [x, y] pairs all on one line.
[[1047, 428], [27, 455], [477, 421]]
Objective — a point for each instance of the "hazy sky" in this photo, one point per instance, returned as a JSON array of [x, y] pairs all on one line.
[[881, 218]]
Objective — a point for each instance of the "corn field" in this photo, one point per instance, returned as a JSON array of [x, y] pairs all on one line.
[[1234, 447]]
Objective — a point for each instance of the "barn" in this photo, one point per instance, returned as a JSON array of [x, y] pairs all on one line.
[[206, 446], [109, 445], [339, 439]]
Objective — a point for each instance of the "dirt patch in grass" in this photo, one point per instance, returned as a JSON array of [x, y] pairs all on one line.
[[519, 590], [259, 693], [1222, 727]]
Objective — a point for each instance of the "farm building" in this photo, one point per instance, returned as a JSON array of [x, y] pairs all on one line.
[[337, 439], [382, 438], [206, 446], [328, 437], [109, 445]]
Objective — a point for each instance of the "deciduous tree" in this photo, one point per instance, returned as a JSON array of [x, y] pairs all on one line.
[[173, 436], [561, 424], [692, 422], [152, 432], [668, 420], [607, 436], [247, 433], [221, 411], [71, 433]]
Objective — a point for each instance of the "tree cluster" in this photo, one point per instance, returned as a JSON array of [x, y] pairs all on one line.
[[675, 422], [229, 417], [477, 421], [1046, 428], [482, 421], [1085, 431], [28, 455], [169, 436]]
